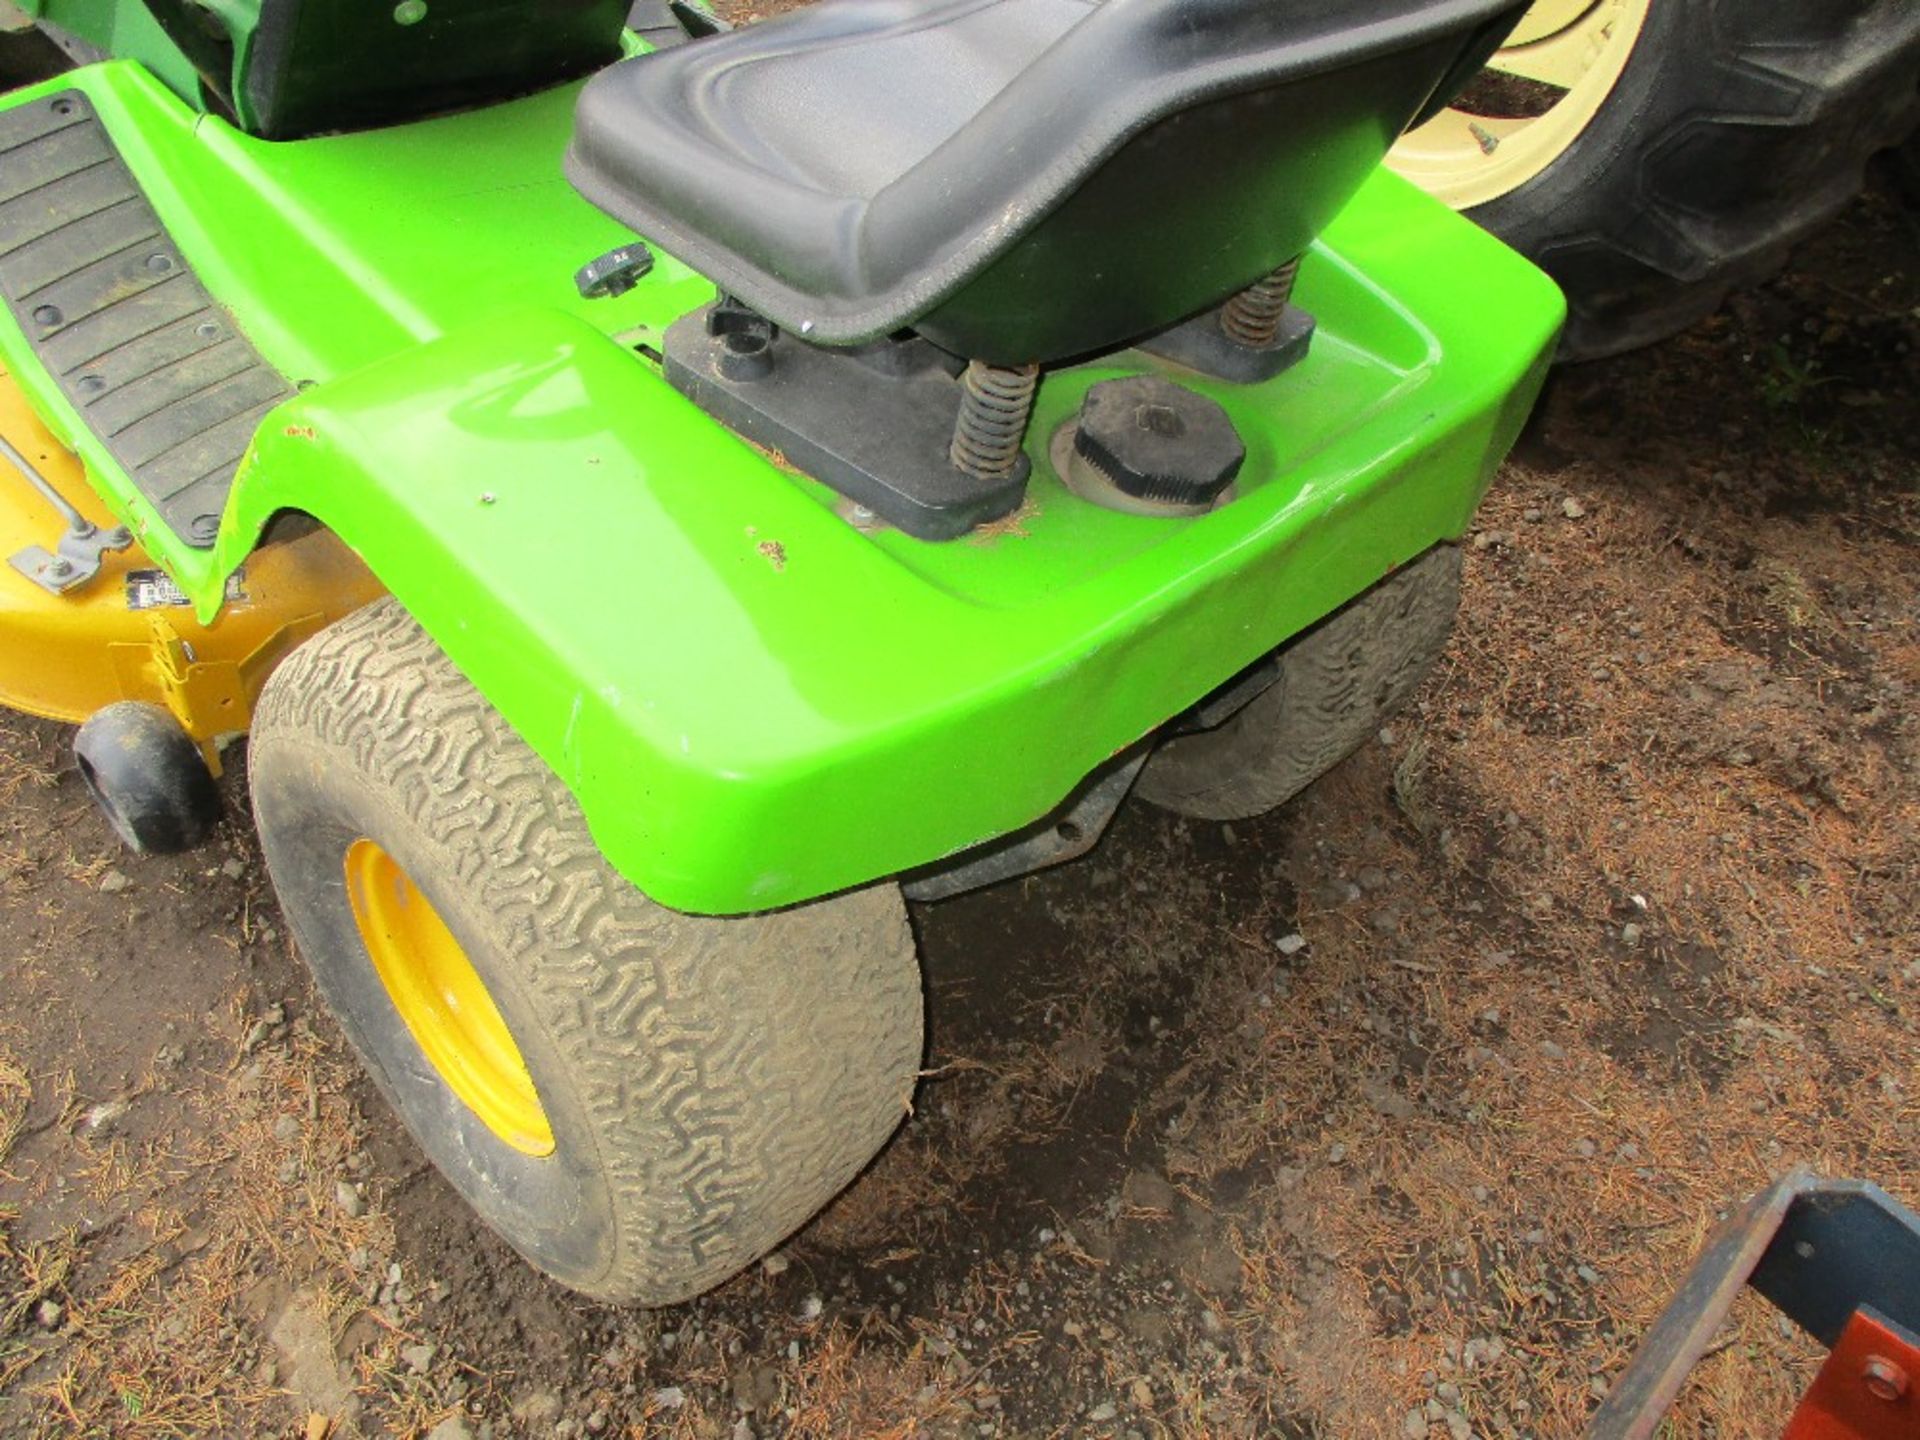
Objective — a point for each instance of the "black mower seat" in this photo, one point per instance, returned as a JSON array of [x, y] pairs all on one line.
[[1018, 180]]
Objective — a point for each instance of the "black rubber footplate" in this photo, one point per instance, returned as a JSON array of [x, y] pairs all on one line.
[[159, 372]]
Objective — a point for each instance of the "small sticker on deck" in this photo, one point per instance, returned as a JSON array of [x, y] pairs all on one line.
[[155, 590]]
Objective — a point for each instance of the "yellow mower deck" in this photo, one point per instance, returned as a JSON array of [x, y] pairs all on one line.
[[127, 634]]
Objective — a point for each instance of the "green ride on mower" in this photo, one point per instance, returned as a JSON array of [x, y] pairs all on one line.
[[656, 497]]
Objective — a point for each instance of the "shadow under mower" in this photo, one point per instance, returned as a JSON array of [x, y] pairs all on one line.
[[1028, 400]]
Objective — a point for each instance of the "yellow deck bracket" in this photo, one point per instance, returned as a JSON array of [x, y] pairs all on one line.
[[211, 697], [128, 634]]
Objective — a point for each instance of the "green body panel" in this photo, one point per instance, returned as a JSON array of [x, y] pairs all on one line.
[[755, 702]]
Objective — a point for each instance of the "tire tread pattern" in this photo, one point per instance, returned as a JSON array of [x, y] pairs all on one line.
[[736, 1072], [1738, 127], [1337, 682]]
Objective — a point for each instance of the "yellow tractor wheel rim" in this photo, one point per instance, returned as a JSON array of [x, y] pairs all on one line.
[[443, 999], [1577, 48]]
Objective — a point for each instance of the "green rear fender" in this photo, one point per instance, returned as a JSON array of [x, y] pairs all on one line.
[[676, 629], [755, 702]]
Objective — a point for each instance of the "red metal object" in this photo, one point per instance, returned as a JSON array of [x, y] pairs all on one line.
[[1841, 1260], [1866, 1390], [1641, 1397]]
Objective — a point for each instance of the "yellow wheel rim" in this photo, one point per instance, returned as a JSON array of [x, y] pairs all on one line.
[[1558, 67], [443, 999]]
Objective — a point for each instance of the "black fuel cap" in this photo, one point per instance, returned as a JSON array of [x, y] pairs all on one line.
[[1158, 443]]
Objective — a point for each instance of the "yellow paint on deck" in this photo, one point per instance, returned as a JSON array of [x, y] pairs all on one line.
[[66, 656]]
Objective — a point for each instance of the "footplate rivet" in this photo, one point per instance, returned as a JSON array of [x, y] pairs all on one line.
[[1884, 1379]]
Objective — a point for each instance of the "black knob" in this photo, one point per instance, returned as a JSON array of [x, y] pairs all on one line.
[[1158, 443], [614, 273]]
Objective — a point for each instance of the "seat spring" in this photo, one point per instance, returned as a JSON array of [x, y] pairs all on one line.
[[1252, 318], [994, 408]]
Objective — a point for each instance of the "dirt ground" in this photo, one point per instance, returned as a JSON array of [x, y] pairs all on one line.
[[1397, 1112]]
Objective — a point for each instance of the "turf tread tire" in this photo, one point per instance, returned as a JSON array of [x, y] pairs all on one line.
[[716, 1079], [1338, 681]]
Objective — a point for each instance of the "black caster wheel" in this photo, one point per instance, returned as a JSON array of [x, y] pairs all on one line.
[[148, 778]]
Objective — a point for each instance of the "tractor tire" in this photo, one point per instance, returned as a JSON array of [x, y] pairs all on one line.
[[1337, 682], [641, 1102], [1734, 129]]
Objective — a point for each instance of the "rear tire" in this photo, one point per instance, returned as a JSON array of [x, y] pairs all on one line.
[[1736, 127], [705, 1084], [1337, 682]]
